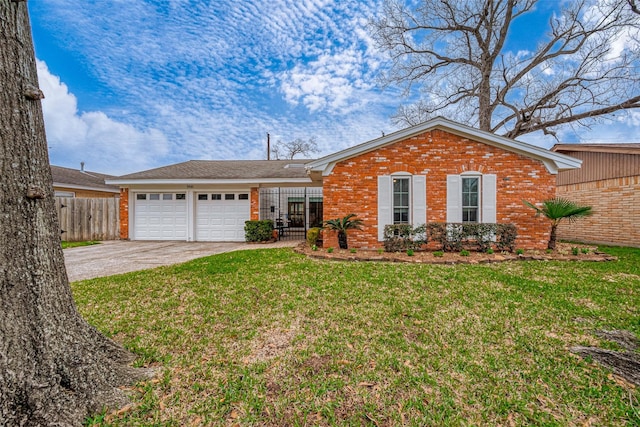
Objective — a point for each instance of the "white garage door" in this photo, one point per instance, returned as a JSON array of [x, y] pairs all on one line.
[[160, 216], [220, 217]]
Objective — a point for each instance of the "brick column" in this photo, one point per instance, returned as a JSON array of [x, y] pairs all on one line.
[[124, 213]]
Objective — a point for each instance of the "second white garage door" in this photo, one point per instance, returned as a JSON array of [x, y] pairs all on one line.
[[220, 217]]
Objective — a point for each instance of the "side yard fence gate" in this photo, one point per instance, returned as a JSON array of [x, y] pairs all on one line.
[[88, 218]]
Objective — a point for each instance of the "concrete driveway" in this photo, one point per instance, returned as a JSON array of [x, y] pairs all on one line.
[[121, 256]]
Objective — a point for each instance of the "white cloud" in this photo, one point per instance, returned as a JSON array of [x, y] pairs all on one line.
[[104, 144]]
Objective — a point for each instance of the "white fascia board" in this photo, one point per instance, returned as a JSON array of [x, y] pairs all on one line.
[[252, 182], [553, 161], [84, 187]]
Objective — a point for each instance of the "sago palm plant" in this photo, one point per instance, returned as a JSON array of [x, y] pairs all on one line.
[[558, 209], [341, 225]]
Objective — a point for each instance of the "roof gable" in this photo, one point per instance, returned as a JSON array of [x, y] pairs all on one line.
[[553, 161]]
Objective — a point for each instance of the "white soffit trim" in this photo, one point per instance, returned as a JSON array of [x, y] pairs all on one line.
[[553, 161]]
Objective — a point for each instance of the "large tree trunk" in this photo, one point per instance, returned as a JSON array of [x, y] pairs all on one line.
[[55, 368]]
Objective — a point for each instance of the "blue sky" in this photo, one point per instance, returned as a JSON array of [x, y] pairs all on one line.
[[132, 84]]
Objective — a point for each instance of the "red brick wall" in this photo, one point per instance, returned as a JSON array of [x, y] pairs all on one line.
[[616, 211], [124, 213], [352, 186], [255, 204]]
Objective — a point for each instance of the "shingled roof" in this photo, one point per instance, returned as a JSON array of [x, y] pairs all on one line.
[[81, 179], [221, 170]]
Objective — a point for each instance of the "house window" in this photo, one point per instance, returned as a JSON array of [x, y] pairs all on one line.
[[296, 211], [65, 194], [470, 199], [401, 200]]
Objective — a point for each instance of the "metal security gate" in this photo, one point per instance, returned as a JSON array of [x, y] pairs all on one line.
[[293, 210]]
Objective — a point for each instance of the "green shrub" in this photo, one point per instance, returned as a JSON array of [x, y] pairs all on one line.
[[520, 251], [584, 250], [258, 231], [352, 250], [401, 237], [438, 254], [329, 250], [314, 247], [490, 251], [313, 234], [574, 251], [410, 252], [506, 237], [453, 236], [464, 252]]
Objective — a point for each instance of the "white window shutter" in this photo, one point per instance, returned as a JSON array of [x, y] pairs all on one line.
[[385, 214], [454, 198], [419, 200], [489, 198]]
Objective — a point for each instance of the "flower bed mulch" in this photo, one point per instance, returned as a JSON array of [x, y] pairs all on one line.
[[563, 252]]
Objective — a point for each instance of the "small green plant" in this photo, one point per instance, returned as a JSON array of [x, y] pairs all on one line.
[[490, 251], [313, 234], [380, 251], [549, 251], [575, 251], [314, 247], [410, 252], [438, 254], [520, 251], [329, 250], [464, 252], [584, 250], [352, 250], [342, 225]]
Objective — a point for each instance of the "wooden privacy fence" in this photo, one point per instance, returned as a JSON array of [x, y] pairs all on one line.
[[88, 218]]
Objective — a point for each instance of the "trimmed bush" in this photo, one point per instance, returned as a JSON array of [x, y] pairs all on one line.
[[453, 237], [403, 237], [258, 231], [313, 234]]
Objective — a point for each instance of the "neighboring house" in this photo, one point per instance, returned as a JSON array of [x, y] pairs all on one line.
[[436, 171], [80, 183], [609, 182]]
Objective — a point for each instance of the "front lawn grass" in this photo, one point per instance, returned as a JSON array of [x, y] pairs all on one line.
[[269, 337], [66, 244]]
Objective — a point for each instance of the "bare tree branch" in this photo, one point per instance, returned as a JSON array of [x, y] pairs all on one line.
[[288, 150], [586, 66]]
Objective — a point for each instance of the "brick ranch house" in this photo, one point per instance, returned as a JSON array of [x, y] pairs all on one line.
[[609, 182], [415, 175]]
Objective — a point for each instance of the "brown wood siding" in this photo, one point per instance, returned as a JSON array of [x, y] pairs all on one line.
[[599, 166]]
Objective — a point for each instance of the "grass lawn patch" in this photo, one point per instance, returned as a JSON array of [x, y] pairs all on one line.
[[66, 244], [271, 337]]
